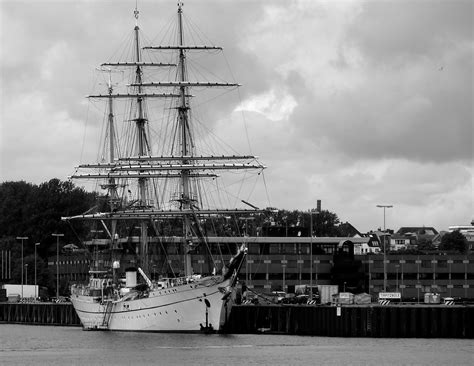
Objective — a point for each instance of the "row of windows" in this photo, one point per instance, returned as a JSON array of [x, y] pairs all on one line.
[[421, 288], [422, 276], [73, 276], [229, 249], [74, 262], [373, 276], [287, 276], [430, 264]]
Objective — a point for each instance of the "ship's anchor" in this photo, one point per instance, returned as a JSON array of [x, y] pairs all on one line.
[[208, 328]]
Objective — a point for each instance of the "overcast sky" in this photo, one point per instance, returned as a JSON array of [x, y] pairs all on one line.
[[356, 103]]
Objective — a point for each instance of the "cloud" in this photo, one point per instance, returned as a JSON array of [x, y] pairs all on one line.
[[40, 142], [407, 30], [356, 103], [272, 106]]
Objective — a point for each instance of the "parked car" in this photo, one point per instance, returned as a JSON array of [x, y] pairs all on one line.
[[278, 296], [289, 299]]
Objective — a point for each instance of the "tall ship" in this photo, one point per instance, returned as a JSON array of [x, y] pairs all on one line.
[[164, 193]]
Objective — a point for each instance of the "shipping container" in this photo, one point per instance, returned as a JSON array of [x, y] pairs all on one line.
[[306, 290], [27, 290], [363, 298], [432, 298], [326, 292], [344, 298]]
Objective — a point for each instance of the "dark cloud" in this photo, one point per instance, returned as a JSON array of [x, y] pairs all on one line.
[[419, 108], [393, 32], [355, 103]]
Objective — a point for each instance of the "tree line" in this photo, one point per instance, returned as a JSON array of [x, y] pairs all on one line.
[[35, 211]]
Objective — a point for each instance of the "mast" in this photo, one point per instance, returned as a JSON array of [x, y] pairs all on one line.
[[185, 197], [112, 186], [142, 148]]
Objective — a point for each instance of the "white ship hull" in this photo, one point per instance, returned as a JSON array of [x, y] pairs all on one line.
[[175, 309]]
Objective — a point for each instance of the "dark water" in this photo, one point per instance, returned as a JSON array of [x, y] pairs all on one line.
[[44, 345]]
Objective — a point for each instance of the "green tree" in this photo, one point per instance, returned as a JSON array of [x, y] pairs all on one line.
[[36, 211], [454, 241], [425, 244], [15, 209], [324, 223]]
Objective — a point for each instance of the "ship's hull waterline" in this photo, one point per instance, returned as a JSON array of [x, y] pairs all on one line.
[[183, 308]]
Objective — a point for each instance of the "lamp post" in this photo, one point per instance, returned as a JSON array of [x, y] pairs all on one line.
[[384, 249], [36, 291], [396, 267], [26, 274], [311, 254], [284, 275], [57, 263], [22, 238], [286, 225]]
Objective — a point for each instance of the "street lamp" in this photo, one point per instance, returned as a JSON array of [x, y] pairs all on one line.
[[22, 238], [286, 225], [311, 253], [57, 263], [284, 275], [384, 249], [396, 268], [36, 291], [26, 274]]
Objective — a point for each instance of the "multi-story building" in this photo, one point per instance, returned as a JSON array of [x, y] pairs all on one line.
[[281, 263]]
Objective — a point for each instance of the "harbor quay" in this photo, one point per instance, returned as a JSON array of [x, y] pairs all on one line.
[[393, 321], [38, 313]]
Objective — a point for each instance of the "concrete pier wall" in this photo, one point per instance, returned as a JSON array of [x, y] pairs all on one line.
[[39, 313], [395, 321], [355, 321]]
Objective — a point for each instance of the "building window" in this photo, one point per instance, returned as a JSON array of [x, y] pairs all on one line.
[[409, 276], [442, 264], [378, 264], [264, 248], [457, 276], [426, 263]]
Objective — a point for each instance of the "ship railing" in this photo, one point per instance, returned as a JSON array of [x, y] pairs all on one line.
[[78, 289], [175, 281]]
